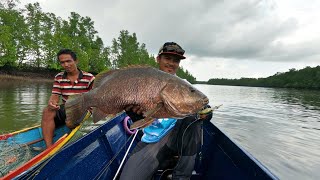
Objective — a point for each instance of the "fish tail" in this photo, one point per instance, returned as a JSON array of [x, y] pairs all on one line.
[[75, 109]]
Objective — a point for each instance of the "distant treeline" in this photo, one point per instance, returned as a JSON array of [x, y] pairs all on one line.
[[307, 78], [30, 38]]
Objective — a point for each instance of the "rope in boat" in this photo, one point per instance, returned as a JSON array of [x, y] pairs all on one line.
[[113, 158], [44, 163], [125, 156], [104, 169]]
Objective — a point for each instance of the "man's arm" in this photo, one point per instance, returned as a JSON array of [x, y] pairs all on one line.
[[53, 102]]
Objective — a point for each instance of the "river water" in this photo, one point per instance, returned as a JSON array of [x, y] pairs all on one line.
[[279, 127]]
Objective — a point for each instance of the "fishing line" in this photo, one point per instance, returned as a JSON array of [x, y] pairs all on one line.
[[183, 134], [163, 173]]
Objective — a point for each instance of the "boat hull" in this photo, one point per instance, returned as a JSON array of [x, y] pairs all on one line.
[[224, 159], [99, 154]]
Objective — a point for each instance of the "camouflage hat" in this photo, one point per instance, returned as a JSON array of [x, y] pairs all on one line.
[[172, 48]]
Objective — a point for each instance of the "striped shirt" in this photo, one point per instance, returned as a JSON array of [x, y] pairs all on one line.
[[63, 86]]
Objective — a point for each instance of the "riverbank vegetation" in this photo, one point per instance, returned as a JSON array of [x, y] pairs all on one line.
[[30, 39], [27, 74], [306, 78]]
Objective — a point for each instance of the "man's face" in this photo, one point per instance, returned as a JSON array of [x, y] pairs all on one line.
[[168, 63], [68, 63]]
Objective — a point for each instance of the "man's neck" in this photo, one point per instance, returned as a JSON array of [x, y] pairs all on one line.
[[73, 73]]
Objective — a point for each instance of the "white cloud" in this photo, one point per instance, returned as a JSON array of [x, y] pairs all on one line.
[[222, 38]]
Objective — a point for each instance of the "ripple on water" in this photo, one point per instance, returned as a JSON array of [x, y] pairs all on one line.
[[280, 127]]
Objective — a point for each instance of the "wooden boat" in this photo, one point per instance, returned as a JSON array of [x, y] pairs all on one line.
[[99, 154], [32, 139]]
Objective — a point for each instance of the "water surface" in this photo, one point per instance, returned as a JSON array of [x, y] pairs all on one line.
[[279, 127]]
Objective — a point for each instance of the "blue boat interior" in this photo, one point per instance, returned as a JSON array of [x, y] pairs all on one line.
[[98, 155], [34, 138]]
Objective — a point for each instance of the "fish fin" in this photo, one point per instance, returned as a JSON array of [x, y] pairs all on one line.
[[101, 76], [137, 66], [153, 111], [97, 115], [142, 123], [74, 110], [148, 119]]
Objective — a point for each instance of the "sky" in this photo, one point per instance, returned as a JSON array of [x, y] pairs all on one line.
[[222, 38]]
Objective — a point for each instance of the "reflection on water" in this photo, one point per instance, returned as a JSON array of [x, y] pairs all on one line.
[[21, 104], [280, 127], [306, 98]]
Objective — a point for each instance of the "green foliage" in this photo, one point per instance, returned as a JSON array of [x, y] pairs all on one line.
[[126, 51], [12, 35], [308, 78], [34, 21], [30, 38], [186, 75]]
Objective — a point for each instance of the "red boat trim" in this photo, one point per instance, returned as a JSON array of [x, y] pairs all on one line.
[[32, 161]]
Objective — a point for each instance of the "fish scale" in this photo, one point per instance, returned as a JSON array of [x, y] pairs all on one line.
[[158, 93]]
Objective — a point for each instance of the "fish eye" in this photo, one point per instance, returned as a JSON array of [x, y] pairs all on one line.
[[192, 90]]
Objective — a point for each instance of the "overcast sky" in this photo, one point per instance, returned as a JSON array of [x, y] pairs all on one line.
[[222, 38]]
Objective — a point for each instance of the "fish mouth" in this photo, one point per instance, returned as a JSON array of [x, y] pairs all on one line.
[[202, 103], [205, 101]]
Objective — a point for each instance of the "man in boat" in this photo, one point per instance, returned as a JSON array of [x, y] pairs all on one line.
[[166, 138], [70, 82]]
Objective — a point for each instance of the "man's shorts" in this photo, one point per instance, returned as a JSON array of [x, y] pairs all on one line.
[[60, 118]]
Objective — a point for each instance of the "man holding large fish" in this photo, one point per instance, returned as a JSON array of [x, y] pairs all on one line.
[[156, 94]]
